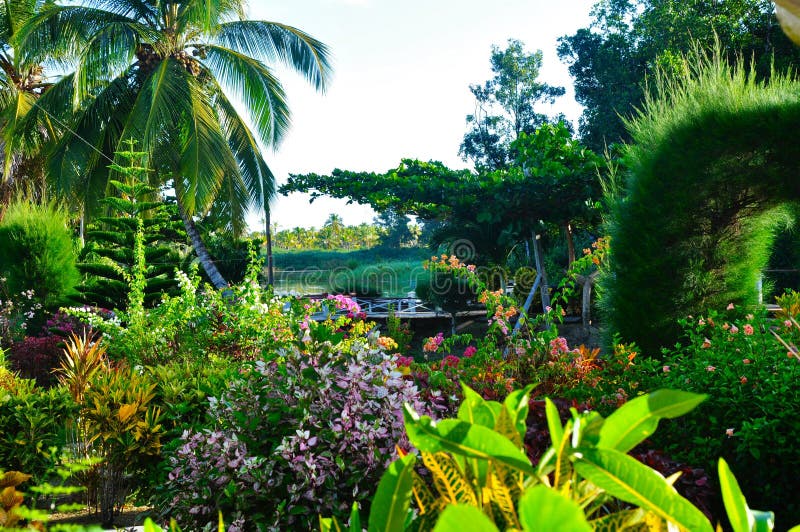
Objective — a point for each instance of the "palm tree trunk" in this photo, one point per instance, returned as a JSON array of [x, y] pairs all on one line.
[[200, 248], [268, 234]]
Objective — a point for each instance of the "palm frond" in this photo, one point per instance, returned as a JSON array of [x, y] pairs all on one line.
[[172, 116], [78, 162], [208, 14], [61, 32], [141, 10], [107, 54], [258, 178], [251, 82], [12, 115], [271, 41]]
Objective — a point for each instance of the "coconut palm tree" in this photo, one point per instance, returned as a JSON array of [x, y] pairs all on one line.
[[21, 85], [170, 74]]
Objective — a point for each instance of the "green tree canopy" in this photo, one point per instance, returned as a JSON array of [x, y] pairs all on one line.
[[628, 40], [553, 177]]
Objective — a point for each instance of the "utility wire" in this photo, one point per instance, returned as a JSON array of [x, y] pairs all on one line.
[[65, 126]]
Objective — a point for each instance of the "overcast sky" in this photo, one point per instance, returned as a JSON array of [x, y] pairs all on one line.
[[400, 88]]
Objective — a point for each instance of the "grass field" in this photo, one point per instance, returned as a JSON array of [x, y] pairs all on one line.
[[389, 272]]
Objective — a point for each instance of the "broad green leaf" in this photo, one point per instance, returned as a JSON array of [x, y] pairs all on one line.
[[474, 409], [544, 509], [739, 514], [461, 518], [795, 529], [150, 526], [465, 439], [517, 404], [637, 419], [391, 501], [553, 422], [631, 481]]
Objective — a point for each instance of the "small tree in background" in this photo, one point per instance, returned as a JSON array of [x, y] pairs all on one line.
[[504, 106]]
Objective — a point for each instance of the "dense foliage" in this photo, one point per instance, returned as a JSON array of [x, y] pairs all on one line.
[[612, 60], [484, 215], [695, 227], [38, 252]]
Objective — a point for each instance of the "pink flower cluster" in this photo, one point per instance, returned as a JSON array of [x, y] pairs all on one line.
[[470, 351], [558, 346], [345, 303], [404, 362], [450, 361], [432, 344]]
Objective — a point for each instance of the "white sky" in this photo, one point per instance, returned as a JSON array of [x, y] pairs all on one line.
[[400, 88]]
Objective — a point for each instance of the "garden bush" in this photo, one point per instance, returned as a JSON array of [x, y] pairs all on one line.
[[308, 430], [32, 424], [750, 418], [38, 252]]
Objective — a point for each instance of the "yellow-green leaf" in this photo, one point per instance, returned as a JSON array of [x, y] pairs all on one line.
[[543, 509], [631, 481], [634, 421], [460, 518], [391, 501], [464, 439]]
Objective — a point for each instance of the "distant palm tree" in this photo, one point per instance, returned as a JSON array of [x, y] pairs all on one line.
[[21, 85], [169, 74]]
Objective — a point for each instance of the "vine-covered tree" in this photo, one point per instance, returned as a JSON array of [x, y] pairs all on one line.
[[166, 73], [505, 106]]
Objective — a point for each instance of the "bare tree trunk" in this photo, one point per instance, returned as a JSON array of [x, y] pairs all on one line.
[[200, 248], [570, 244]]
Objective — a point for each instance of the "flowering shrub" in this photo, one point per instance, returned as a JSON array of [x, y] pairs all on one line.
[[212, 471], [35, 357], [241, 323], [751, 417], [16, 310], [325, 417]]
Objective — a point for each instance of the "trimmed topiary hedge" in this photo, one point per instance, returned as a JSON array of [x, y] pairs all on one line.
[[713, 168]]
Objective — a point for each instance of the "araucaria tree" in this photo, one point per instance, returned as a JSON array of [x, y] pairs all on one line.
[[166, 73]]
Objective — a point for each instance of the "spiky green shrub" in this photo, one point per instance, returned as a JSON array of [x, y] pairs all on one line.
[[713, 165], [37, 252]]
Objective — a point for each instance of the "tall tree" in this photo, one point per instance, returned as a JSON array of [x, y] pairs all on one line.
[[166, 73], [504, 106], [628, 40], [21, 84]]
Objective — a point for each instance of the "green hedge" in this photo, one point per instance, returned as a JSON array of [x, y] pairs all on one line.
[[713, 166]]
